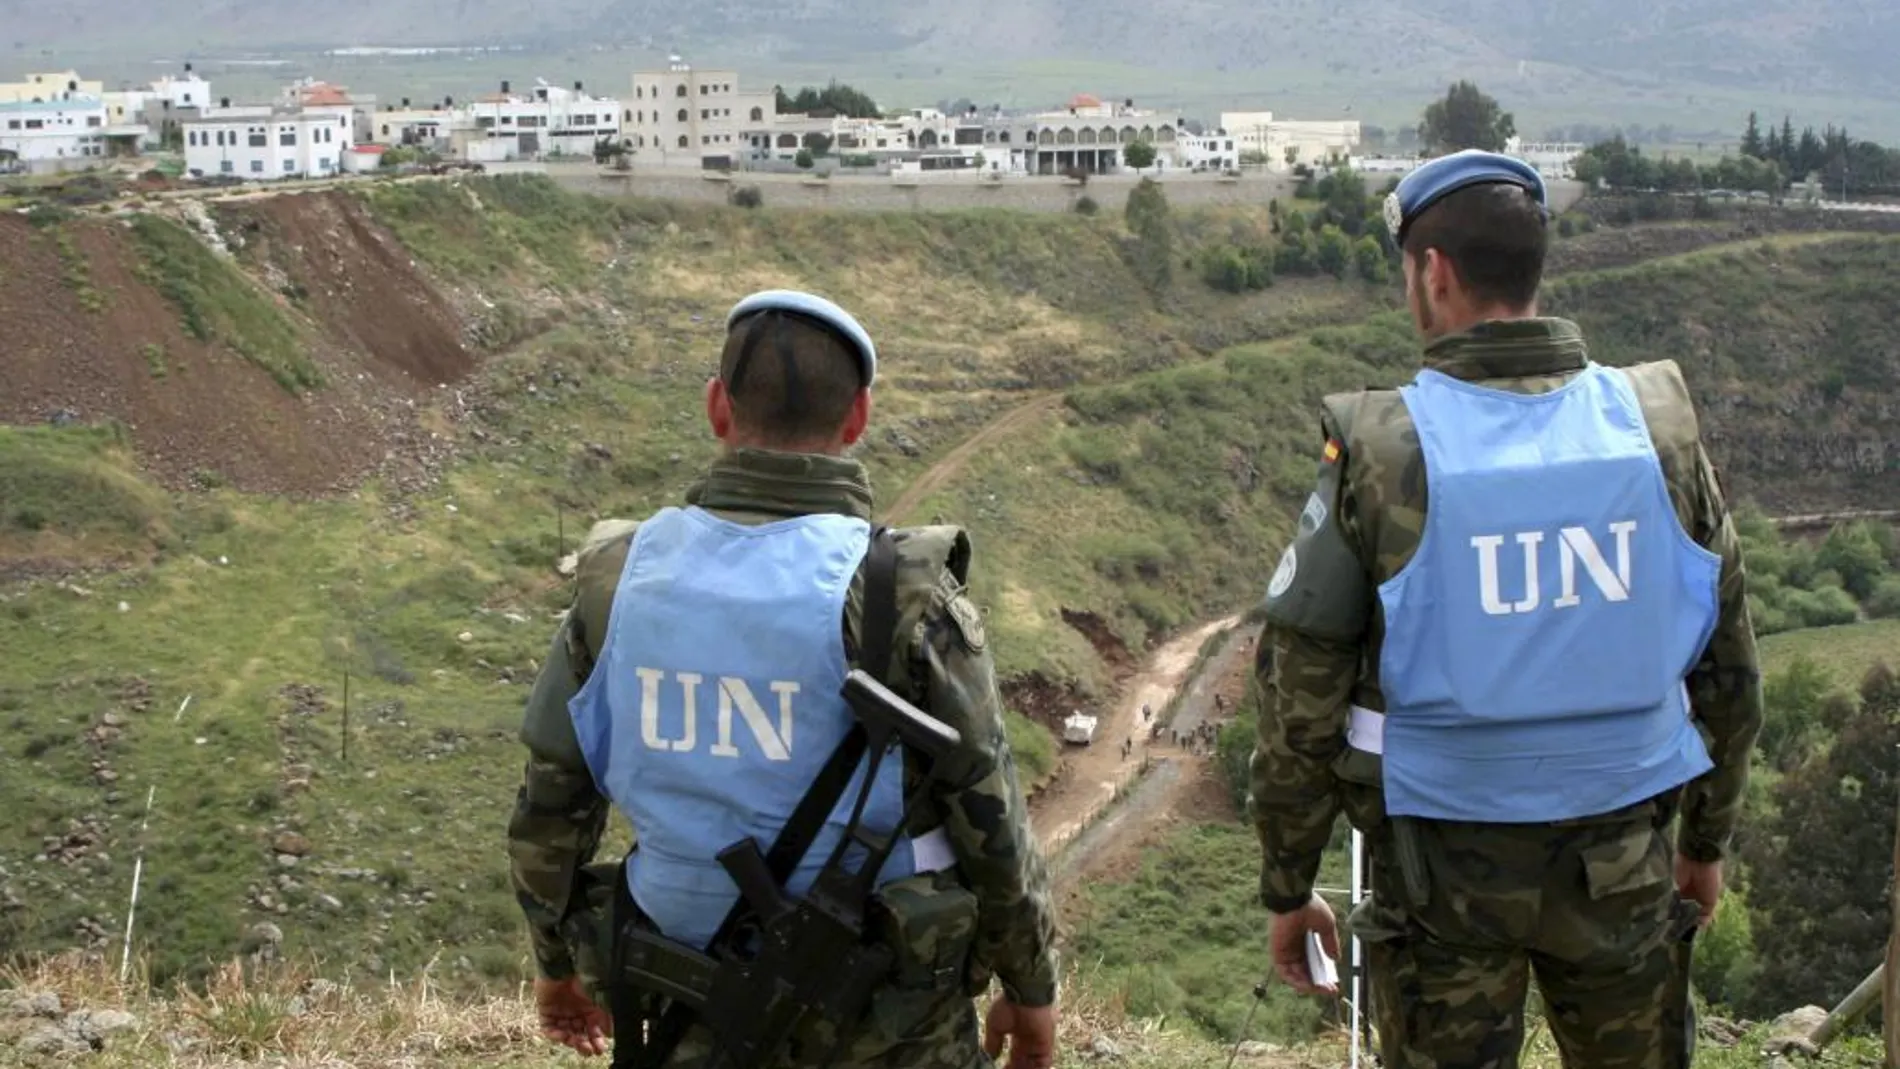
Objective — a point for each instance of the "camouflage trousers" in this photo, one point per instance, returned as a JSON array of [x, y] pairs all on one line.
[[1588, 909], [909, 1026]]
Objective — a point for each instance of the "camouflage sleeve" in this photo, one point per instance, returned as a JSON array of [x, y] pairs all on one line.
[[559, 815], [1306, 663], [1724, 686], [984, 813]]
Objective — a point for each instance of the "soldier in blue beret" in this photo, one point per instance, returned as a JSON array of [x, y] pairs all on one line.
[[1511, 642], [755, 599]]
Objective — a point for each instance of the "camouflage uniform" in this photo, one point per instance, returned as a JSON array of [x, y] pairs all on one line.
[[1589, 905], [991, 915]]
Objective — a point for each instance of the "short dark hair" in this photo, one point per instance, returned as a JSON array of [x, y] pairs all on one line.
[[1495, 237], [791, 378]]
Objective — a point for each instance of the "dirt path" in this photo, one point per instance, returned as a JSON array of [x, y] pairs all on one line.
[[953, 462], [1093, 776], [1176, 783]]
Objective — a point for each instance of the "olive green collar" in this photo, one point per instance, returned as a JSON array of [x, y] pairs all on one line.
[[786, 484], [1508, 349]]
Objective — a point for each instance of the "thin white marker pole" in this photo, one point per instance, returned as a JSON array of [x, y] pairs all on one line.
[[138, 870], [1358, 884]]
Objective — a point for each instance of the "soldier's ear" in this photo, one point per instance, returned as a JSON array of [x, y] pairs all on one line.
[[718, 408], [857, 419], [1441, 278]]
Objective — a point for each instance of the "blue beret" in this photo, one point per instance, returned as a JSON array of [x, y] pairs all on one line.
[[826, 313], [1436, 179]]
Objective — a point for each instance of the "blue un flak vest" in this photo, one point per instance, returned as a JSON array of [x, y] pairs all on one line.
[[1537, 643], [715, 701]]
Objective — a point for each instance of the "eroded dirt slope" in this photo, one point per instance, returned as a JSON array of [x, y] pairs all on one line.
[[89, 335]]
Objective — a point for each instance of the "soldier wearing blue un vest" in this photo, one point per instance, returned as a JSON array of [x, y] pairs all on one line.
[[695, 686], [1510, 640]]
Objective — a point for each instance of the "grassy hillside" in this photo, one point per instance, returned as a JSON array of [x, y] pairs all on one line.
[[1152, 488]]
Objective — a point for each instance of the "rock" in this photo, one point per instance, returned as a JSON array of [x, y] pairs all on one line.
[[44, 1004], [52, 1039], [286, 861], [1253, 1048], [1789, 1033], [289, 842], [263, 935], [466, 636], [94, 1026], [1104, 1047], [1720, 1032], [568, 564], [125, 606], [329, 902], [112, 720]]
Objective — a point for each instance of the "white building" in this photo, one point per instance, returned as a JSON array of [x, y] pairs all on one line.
[[548, 121], [46, 88], [429, 127], [1553, 160], [70, 133], [1284, 143], [686, 117], [1217, 150], [278, 143]]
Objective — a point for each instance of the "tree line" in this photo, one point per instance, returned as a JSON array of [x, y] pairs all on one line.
[[1767, 162], [1344, 235]]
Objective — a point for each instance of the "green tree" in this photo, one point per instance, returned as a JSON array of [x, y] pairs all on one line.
[[1884, 603], [1752, 144], [819, 143], [1466, 118], [1139, 154], [1855, 553], [1791, 723], [835, 98], [1149, 219], [1819, 878], [803, 160], [1333, 254], [1725, 960], [1370, 260]]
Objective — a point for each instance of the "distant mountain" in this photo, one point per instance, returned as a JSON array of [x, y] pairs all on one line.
[[1659, 51]]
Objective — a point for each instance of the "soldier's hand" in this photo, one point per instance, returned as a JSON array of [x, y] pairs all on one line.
[[570, 1018], [1700, 882], [1288, 943], [1031, 1032]]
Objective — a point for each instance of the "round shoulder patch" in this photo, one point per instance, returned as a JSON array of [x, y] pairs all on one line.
[[969, 622], [1283, 575]]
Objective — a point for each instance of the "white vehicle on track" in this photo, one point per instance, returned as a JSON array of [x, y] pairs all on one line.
[[1079, 728]]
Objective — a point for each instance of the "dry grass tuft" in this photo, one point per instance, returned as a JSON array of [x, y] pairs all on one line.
[[284, 1015]]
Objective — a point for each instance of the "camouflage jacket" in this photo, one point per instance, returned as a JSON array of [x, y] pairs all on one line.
[[939, 661], [1319, 651]]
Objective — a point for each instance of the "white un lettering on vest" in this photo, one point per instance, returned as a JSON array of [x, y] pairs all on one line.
[[774, 742], [1575, 545]]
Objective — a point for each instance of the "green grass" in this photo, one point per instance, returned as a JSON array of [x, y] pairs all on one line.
[[1846, 651], [217, 304], [1034, 749], [77, 485], [1185, 938], [75, 272]]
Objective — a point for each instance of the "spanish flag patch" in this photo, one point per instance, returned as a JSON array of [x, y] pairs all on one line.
[[1330, 454]]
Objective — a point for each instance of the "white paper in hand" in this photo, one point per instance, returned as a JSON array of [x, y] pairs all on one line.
[[1318, 965]]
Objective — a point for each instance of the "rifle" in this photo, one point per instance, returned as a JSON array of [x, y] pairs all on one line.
[[778, 962]]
